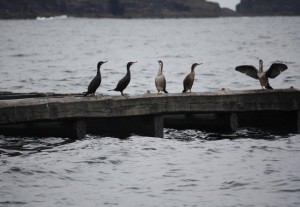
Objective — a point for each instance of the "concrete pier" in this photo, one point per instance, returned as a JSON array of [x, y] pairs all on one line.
[[147, 114]]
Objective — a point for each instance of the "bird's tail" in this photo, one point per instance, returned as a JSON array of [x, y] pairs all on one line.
[[268, 86], [165, 91], [111, 90], [86, 93], [184, 90]]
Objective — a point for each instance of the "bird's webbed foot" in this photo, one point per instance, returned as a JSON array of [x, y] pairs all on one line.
[[126, 96], [98, 96]]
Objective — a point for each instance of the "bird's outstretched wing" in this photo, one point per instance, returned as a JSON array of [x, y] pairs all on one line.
[[276, 69], [248, 70]]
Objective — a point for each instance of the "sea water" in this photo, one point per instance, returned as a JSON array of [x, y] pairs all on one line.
[[250, 167]]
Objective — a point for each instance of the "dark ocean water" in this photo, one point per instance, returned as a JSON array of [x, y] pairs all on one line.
[[250, 167]]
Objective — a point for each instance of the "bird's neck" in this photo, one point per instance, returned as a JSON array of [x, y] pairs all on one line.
[[160, 70], [261, 68], [128, 75], [128, 69], [98, 71], [193, 70]]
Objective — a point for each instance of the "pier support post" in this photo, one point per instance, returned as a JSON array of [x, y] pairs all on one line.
[[158, 126], [298, 121], [78, 130], [234, 124]]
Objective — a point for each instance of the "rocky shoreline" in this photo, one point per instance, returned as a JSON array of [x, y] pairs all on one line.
[[28, 9], [18, 9], [268, 8]]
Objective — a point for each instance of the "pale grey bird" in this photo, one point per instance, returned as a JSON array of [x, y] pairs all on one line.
[[160, 80], [189, 79], [272, 72]]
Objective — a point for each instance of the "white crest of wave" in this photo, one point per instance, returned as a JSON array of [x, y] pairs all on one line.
[[52, 18]]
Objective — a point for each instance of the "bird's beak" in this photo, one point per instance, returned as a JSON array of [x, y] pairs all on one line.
[[105, 61], [135, 62], [199, 63]]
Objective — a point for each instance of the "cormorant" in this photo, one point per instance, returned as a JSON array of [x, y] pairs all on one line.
[[123, 83], [160, 81], [95, 83], [189, 79], [272, 72]]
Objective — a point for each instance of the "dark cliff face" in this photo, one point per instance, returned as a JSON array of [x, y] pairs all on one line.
[[34, 8], [167, 8], [268, 7], [111, 8]]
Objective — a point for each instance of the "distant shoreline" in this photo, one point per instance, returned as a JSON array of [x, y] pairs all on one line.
[[129, 9], [41, 18]]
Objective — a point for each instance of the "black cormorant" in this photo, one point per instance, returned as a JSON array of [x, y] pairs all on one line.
[[272, 72], [123, 83], [189, 79], [160, 81], [95, 83]]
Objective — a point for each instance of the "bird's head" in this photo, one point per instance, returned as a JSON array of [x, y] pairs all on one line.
[[160, 62], [100, 63], [130, 64], [196, 64]]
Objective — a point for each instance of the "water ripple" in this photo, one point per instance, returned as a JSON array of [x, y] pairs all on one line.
[[249, 167], [233, 184]]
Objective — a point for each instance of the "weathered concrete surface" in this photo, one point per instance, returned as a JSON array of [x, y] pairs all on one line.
[[47, 108], [148, 114]]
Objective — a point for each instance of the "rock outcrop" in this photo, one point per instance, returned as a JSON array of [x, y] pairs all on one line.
[[268, 7], [111, 8]]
